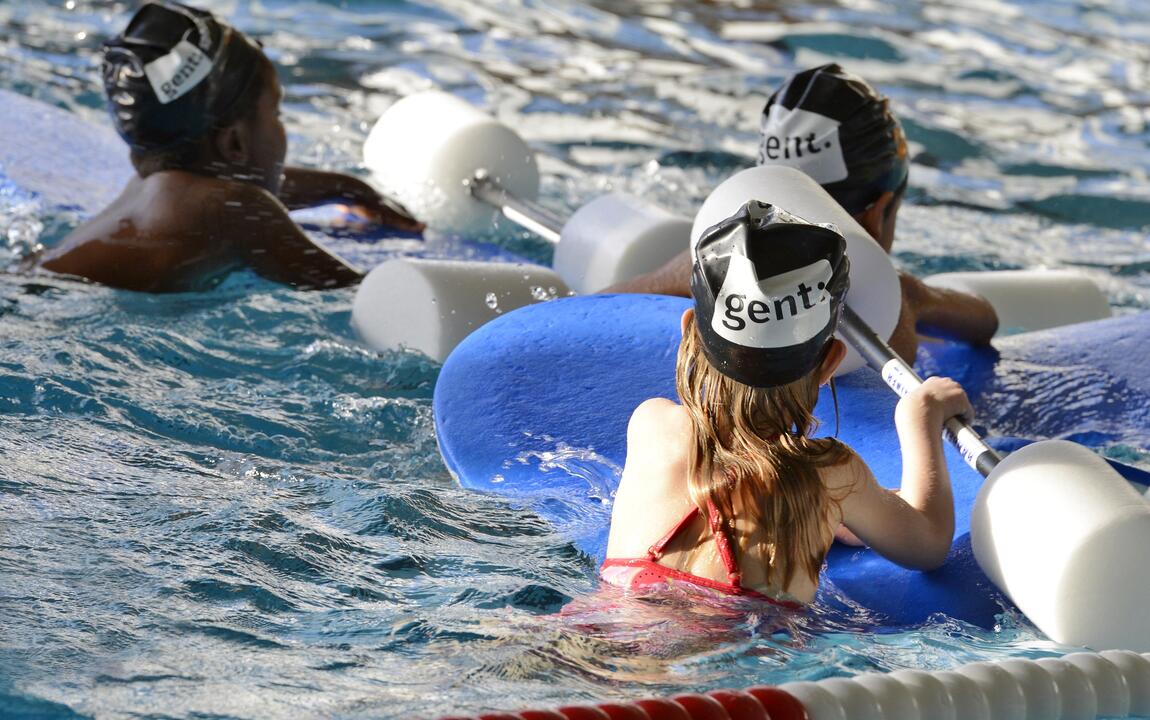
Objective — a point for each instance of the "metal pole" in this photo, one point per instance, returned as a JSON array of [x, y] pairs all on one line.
[[902, 379], [524, 213]]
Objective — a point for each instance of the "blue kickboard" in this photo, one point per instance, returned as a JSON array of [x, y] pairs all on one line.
[[65, 164], [535, 405]]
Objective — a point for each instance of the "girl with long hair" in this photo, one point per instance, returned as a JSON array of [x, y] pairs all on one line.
[[727, 491]]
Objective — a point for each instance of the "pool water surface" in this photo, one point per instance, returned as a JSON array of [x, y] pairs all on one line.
[[223, 505]]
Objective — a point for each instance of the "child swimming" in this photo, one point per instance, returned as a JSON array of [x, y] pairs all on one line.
[[840, 131], [198, 104], [726, 491]]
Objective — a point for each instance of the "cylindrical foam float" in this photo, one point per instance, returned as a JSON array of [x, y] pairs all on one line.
[[875, 293], [431, 305], [425, 146], [1031, 299], [617, 237], [1065, 536]]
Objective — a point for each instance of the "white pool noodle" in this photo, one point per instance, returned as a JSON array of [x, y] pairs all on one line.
[[1031, 299], [1065, 536], [617, 237], [874, 294], [423, 148], [431, 305]]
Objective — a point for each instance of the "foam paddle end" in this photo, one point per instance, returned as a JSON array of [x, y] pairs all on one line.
[[431, 305], [617, 237], [1027, 300], [1064, 535], [426, 146]]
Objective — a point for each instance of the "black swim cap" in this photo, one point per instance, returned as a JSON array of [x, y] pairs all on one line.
[[837, 129], [174, 74], [768, 289]]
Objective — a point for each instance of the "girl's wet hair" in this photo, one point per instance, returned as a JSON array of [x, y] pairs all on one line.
[[752, 456]]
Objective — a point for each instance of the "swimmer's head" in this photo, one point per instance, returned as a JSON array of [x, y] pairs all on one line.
[[837, 129], [175, 75], [768, 289]]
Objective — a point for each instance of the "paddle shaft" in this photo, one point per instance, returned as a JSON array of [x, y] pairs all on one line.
[[524, 213], [903, 379]]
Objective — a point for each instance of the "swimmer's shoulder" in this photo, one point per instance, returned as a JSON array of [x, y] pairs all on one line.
[[846, 476], [658, 418], [658, 439]]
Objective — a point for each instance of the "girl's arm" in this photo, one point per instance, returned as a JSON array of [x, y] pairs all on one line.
[[913, 526]]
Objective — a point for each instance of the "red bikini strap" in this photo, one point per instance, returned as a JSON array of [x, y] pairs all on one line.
[[656, 551], [724, 545]]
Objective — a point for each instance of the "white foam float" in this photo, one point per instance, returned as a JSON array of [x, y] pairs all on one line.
[[455, 167], [1059, 531], [614, 238], [1027, 300], [423, 148], [431, 305]]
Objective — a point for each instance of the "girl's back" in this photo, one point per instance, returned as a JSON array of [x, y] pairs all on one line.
[[654, 495]]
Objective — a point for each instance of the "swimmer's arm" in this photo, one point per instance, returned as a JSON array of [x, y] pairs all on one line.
[[303, 187], [268, 240], [949, 314], [913, 526], [673, 278]]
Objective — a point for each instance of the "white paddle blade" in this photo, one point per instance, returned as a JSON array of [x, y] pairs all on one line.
[[426, 146], [431, 305], [1065, 536], [874, 294], [617, 237], [1028, 300]]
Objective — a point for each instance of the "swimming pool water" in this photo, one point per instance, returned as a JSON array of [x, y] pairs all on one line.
[[222, 505]]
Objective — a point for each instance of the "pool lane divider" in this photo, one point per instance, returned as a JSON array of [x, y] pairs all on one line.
[[1078, 686]]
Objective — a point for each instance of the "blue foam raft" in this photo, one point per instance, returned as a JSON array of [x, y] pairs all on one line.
[[65, 164], [535, 404]]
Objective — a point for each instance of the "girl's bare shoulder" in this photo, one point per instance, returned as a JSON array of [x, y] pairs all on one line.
[[842, 478]]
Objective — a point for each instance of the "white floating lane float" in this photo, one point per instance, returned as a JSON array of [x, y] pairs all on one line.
[[1028, 300], [455, 168]]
